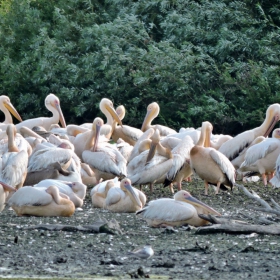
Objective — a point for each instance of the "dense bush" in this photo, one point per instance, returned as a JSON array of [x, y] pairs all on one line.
[[200, 60]]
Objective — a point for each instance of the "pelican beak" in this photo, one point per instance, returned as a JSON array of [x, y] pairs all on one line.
[[133, 195], [146, 120], [194, 201], [8, 188], [61, 117], [12, 110], [151, 152], [114, 114], [274, 120], [97, 133]]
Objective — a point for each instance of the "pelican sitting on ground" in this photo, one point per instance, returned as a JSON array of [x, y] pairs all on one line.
[[262, 156], [7, 108], [76, 191], [99, 192], [209, 164], [181, 210], [124, 198], [52, 103], [48, 202], [152, 113], [234, 147]]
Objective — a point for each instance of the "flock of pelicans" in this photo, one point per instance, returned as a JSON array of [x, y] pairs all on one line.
[[45, 168]]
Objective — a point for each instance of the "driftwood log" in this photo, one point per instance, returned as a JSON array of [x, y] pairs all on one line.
[[109, 227], [220, 224]]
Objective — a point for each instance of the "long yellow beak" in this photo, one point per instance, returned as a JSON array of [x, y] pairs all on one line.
[[97, 133], [271, 125], [194, 201], [133, 195], [61, 117], [146, 120], [12, 110], [113, 114], [151, 152], [8, 187]]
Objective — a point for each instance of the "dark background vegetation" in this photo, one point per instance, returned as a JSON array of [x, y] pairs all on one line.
[[200, 60]]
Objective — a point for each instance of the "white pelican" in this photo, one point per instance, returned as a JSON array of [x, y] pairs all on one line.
[[105, 160], [99, 192], [4, 193], [85, 141], [13, 165], [209, 164], [76, 191], [124, 198], [181, 210], [52, 103], [48, 202], [128, 133], [7, 108], [233, 148], [151, 164], [181, 163], [43, 158], [145, 136], [152, 113], [262, 156]]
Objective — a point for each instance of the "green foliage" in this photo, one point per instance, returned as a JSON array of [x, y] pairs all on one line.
[[200, 60]]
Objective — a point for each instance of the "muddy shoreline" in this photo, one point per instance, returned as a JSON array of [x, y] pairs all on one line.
[[179, 253]]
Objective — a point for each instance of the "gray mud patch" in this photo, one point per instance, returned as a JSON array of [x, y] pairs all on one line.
[[179, 253]]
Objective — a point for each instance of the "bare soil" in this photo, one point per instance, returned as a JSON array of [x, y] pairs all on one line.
[[179, 253]]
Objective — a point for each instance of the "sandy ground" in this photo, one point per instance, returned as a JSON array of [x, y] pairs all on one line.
[[179, 254]]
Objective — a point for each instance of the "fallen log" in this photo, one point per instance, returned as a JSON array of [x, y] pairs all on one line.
[[109, 227], [221, 225]]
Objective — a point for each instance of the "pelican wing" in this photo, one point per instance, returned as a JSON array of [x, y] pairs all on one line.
[[114, 195], [14, 167], [275, 181], [132, 132], [235, 146], [180, 154], [167, 209], [30, 196], [223, 162], [41, 159], [106, 160], [260, 150]]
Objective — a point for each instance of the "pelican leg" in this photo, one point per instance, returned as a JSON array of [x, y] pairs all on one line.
[[151, 187], [206, 187], [179, 186], [264, 179], [270, 175], [218, 188], [171, 188]]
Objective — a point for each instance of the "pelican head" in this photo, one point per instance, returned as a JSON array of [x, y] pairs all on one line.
[[155, 140], [187, 197], [126, 187], [152, 113], [5, 100], [106, 106], [96, 126], [276, 133], [79, 189], [51, 102], [272, 117], [120, 112]]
